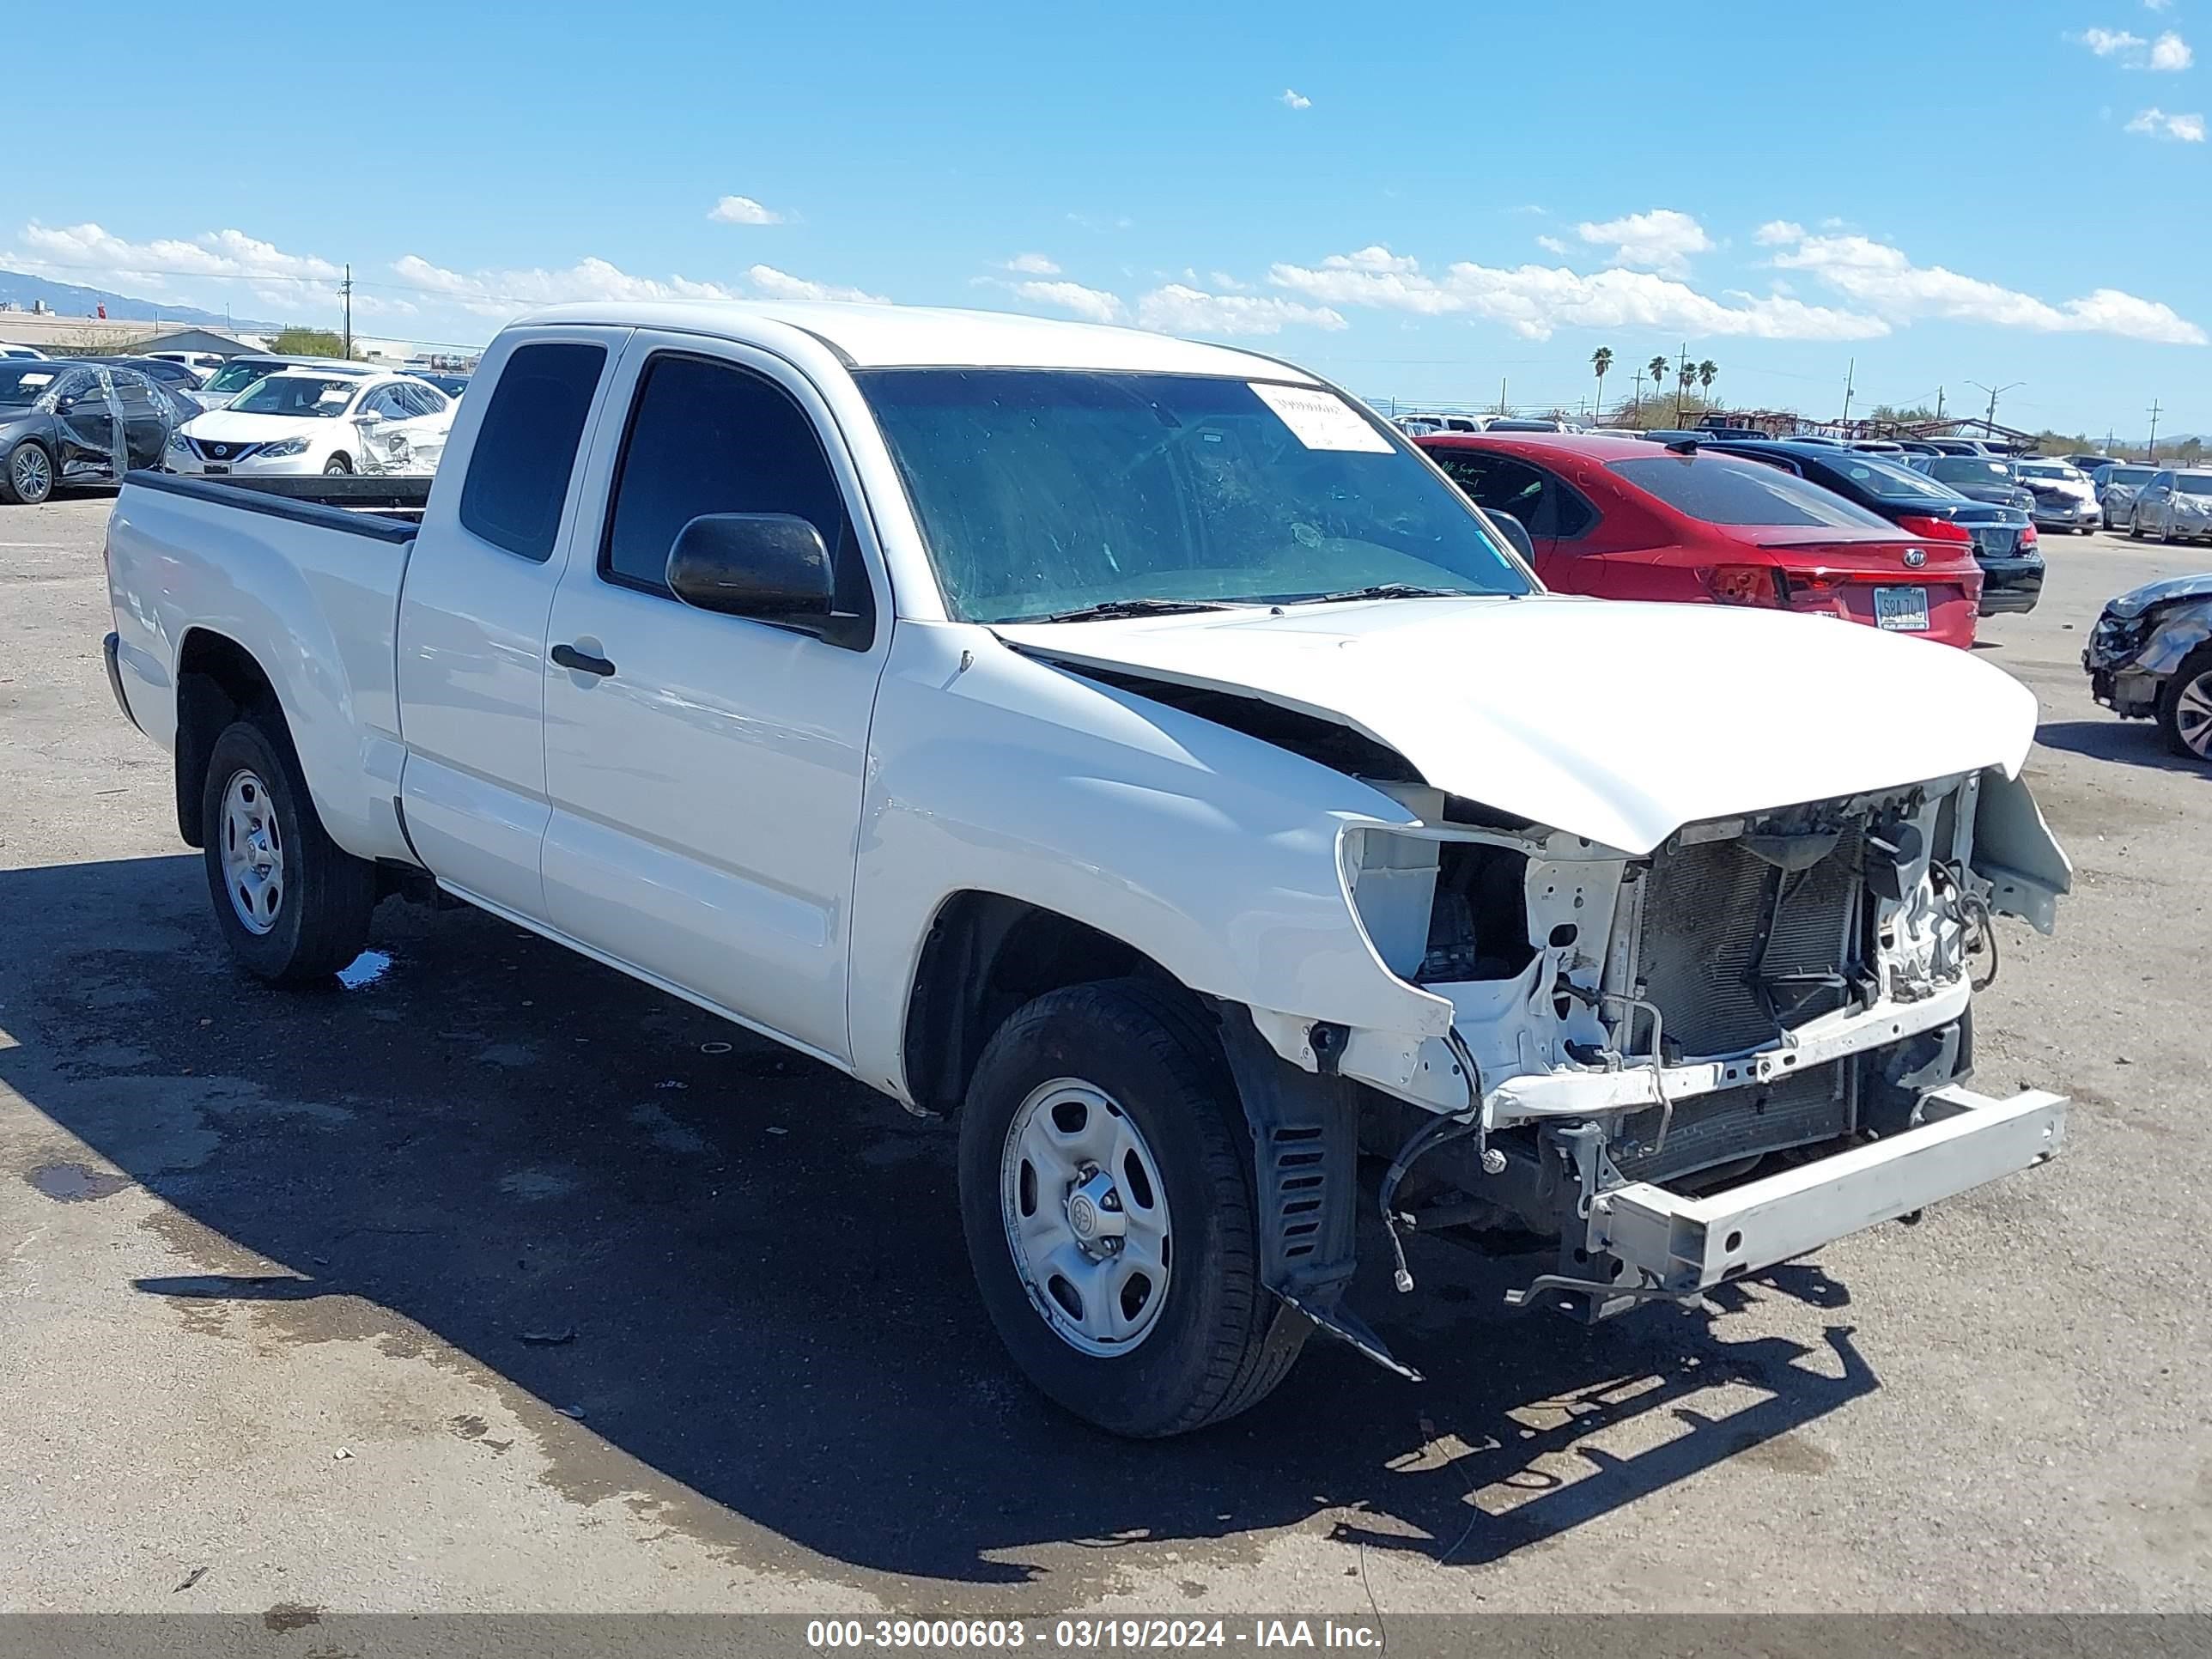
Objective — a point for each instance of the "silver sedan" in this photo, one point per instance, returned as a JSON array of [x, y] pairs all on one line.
[[2174, 506]]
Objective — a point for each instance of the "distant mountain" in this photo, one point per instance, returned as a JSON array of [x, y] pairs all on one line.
[[68, 300]]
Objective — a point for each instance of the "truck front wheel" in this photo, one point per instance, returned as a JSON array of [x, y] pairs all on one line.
[[293, 906], [1106, 1189]]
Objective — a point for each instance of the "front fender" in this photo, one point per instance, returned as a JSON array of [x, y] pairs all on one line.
[[1213, 853]]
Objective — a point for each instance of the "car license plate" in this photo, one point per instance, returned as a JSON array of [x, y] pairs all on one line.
[[213, 466], [1904, 610]]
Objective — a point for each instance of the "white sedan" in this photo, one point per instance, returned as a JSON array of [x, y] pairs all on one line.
[[307, 421]]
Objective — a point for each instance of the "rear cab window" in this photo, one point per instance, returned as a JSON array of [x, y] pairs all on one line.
[[1729, 490], [525, 450]]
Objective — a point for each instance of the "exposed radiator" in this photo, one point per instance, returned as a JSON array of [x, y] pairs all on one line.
[[1794, 1110], [1703, 911]]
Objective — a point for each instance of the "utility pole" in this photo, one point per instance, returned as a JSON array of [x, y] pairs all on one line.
[[1850, 374], [1939, 403], [1638, 405], [1996, 391], [1501, 394], [1681, 374], [2151, 459], [345, 290]]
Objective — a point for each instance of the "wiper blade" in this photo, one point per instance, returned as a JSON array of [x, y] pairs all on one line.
[[1107, 610], [1383, 590]]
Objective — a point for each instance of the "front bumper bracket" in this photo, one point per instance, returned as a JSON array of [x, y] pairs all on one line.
[[1673, 1245]]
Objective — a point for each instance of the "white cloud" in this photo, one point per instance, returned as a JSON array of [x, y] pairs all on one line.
[[2155, 121], [743, 210], [1535, 300], [93, 257], [1032, 264], [1776, 231], [1294, 99], [2190, 129], [1177, 309], [1553, 245], [501, 293], [1661, 240], [2168, 54], [1885, 281], [2107, 43], [1093, 305], [774, 284]]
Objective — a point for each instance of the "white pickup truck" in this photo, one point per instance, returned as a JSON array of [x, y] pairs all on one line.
[[1138, 749]]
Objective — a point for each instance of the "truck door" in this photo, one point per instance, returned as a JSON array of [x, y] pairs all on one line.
[[705, 771], [471, 630]]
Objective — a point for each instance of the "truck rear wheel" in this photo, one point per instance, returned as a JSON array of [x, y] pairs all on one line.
[[293, 906], [1106, 1191]]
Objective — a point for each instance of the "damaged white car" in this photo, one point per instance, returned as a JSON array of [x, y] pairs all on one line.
[[1140, 751]]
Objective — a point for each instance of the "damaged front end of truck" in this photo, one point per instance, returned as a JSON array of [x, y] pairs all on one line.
[[1689, 1064]]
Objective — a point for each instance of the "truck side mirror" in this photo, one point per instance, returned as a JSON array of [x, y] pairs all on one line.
[[1514, 531], [769, 567]]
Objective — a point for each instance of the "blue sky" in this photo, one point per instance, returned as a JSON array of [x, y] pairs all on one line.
[[1419, 202]]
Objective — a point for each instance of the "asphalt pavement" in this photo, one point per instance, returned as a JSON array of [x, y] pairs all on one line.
[[497, 1281]]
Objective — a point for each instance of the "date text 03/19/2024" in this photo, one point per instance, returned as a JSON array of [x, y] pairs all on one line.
[[1091, 1635]]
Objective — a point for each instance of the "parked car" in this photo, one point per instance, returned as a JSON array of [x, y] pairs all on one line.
[[1278, 814], [1724, 431], [1967, 446], [2089, 463], [29, 353], [1820, 438], [1667, 434], [2174, 506], [2116, 483], [1978, 478], [451, 385], [1447, 422], [2149, 657], [240, 372], [2064, 497], [2003, 538], [1917, 447], [1524, 423], [1617, 519], [172, 374], [1876, 446], [61, 421], [307, 421], [201, 363]]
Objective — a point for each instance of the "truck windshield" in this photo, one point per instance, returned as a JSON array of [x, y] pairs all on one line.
[[1042, 492]]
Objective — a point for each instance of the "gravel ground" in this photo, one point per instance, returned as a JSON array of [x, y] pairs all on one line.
[[497, 1282]]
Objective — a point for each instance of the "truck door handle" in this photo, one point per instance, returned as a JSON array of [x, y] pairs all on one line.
[[567, 656]]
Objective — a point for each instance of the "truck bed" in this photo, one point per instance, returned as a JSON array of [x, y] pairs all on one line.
[[376, 507]]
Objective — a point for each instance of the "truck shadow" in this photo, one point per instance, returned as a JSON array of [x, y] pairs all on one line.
[[740, 1279]]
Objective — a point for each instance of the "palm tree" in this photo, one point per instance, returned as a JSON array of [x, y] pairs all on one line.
[[1601, 360], [1708, 372], [1656, 368]]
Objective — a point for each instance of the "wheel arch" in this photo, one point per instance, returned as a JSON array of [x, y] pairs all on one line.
[[985, 955], [218, 680]]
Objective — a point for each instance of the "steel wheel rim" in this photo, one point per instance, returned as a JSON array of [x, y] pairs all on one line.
[[2192, 715], [252, 852], [1086, 1217], [33, 475]]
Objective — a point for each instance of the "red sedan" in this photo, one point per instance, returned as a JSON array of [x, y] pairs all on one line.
[[1627, 519]]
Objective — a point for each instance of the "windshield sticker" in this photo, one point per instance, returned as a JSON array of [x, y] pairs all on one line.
[[35, 379], [1320, 419], [334, 394]]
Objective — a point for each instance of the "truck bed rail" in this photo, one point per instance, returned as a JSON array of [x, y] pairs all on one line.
[[385, 508]]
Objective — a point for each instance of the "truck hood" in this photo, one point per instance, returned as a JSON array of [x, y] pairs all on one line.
[[1618, 722]]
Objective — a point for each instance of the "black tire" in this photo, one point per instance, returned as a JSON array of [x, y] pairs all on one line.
[[320, 918], [2196, 667], [2135, 527], [1222, 1341], [336, 466], [29, 491]]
